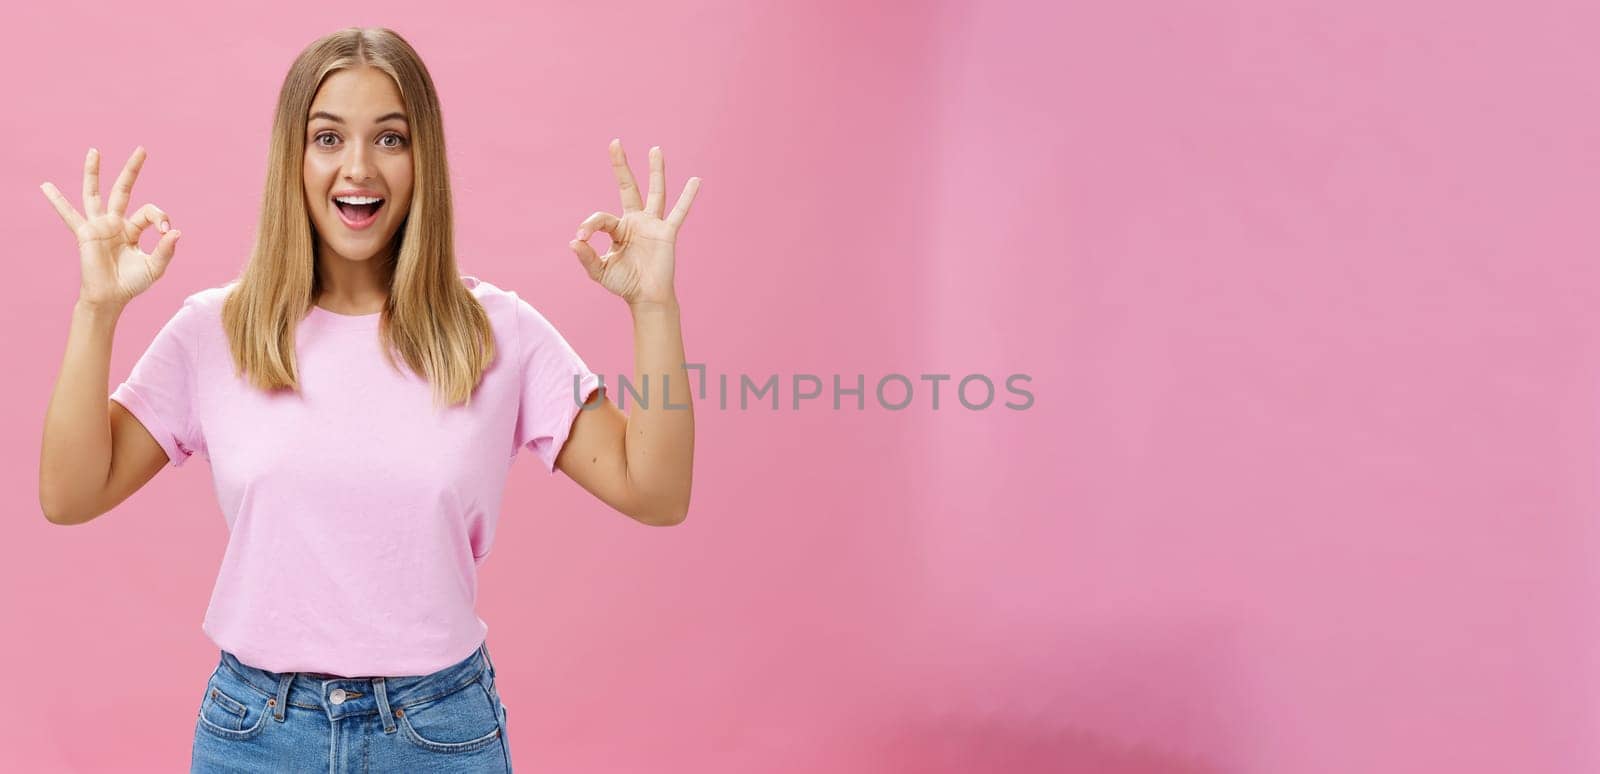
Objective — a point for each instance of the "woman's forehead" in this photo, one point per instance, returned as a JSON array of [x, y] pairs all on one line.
[[359, 95]]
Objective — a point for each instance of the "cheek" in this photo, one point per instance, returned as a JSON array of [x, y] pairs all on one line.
[[400, 179], [399, 175], [317, 176]]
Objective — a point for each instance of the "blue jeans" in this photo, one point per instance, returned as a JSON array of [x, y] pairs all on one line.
[[252, 720]]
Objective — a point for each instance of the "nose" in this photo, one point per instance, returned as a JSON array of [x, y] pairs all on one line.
[[357, 167]]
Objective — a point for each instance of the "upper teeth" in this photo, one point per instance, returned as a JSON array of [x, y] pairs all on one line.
[[358, 199]]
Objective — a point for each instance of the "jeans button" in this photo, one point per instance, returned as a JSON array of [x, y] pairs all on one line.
[[337, 697]]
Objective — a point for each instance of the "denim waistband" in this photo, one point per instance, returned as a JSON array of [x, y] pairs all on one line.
[[346, 696]]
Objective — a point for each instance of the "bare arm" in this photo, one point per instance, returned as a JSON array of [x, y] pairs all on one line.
[[92, 457], [642, 463]]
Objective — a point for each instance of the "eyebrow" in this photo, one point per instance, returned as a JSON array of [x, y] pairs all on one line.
[[338, 120]]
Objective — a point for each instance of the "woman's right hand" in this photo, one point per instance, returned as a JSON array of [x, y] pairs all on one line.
[[114, 269]]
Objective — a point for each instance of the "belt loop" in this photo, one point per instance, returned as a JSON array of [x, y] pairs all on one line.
[[383, 705], [283, 696], [484, 649]]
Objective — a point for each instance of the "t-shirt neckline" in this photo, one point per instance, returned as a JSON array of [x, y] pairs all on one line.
[[333, 319], [337, 320]]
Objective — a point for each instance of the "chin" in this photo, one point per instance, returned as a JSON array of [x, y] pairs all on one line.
[[364, 253], [356, 248]]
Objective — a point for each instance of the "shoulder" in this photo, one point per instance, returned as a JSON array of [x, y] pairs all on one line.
[[504, 305], [208, 301], [492, 296], [531, 332], [500, 304], [199, 312], [495, 299], [509, 315]]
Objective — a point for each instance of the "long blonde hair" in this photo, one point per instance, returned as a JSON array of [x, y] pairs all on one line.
[[431, 320]]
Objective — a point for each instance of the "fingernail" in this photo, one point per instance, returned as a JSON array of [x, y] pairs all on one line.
[[582, 234], [573, 244], [164, 226]]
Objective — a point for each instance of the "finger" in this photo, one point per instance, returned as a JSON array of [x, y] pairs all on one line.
[[658, 173], [122, 191], [619, 166], [591, 262], [91, 184], [142, 219], [600, 221], [165, 248], [63, 207], [685, 199]]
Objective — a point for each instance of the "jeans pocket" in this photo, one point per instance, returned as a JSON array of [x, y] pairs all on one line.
[[230, 709], [463, 720]]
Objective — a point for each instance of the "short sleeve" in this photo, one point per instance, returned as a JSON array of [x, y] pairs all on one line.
[[159, 392], [549, 369]]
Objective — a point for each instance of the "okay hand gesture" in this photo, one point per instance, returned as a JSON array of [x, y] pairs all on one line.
[[114, 269], [639, 265]]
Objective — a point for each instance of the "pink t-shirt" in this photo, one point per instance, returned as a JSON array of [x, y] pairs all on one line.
[[357, 515]]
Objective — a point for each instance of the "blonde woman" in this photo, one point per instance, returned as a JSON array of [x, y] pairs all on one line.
[[360, 404]]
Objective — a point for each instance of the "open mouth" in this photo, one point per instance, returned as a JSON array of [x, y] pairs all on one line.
[[358, 212]]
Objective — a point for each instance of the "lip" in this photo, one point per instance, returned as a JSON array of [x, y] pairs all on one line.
[[358, 225]]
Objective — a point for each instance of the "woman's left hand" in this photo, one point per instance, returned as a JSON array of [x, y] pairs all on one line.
[[639, 265]]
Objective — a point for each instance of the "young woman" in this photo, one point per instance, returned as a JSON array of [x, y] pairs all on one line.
[[360, 404]]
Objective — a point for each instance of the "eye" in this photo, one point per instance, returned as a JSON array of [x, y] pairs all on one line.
[[400, 140]]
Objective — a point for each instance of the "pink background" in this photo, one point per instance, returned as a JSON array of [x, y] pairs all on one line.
[[1307, 296]]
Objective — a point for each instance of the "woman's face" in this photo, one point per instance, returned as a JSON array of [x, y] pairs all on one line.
[[357, 144]]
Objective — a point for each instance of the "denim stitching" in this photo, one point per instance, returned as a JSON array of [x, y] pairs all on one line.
[[237, 734], [414, 702], [230, 705], [500, 721], [408, 703], [471, 745]]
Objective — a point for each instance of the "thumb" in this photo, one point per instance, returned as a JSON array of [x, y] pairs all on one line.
[[165, 248], [591, 262]]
